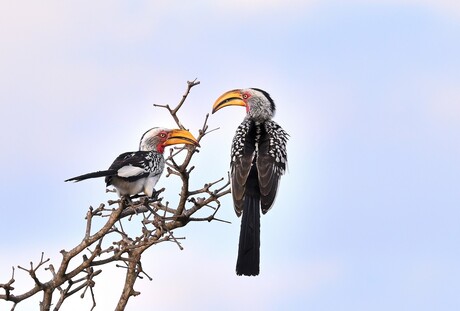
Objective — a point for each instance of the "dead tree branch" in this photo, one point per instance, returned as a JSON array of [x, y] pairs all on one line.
[[173, 111], [111, 243]]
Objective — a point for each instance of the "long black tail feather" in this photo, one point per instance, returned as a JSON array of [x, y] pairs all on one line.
[[249, 245], [92, 175]]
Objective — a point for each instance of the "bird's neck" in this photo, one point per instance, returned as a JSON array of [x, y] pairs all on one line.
[[257, 118], [259, 111], [259, 115]]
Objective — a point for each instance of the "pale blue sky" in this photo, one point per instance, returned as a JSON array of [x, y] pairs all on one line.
[[367, 217]]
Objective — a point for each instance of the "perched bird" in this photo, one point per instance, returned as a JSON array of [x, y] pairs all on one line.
[[134, 172], [258, 159]]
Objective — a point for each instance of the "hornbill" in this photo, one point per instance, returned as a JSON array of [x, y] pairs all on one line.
[[134, 172], [258, 159]]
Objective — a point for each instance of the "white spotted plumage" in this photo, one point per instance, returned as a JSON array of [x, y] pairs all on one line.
[[258, 159], [138, 172], [277, 142]]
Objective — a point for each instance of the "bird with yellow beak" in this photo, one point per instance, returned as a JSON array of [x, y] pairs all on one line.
[[139, 171], [258, 159]]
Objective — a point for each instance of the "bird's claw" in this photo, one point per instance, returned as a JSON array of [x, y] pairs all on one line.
[[126, 200]]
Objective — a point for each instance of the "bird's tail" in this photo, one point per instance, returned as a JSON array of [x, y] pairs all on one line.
[[92, 175], [249, 246]]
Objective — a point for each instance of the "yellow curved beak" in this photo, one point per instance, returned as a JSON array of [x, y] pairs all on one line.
[[178, 136], [230, 98]]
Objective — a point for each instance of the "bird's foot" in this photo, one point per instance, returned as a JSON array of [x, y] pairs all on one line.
[[154, 196], [126, 200]]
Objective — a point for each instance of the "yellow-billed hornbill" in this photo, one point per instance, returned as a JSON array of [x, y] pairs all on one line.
[[134, 172], [258, 159]]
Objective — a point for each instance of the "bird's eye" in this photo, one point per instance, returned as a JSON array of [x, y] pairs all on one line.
[[245, 96], [162, 135]]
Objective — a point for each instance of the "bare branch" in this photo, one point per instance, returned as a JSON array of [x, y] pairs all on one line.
[[114, 241], [174, 111], [7, 286]]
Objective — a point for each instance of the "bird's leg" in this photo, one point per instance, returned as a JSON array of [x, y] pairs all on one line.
[[127, 200], [155, 194]]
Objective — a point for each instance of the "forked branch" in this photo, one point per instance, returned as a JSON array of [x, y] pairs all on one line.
[[111, 242]]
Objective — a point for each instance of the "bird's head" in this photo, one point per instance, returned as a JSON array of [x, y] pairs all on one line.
[[259, 105], [158, 138]]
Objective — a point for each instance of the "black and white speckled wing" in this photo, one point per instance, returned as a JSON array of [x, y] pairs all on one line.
[[242, 155], [132, 166], [271, 162]]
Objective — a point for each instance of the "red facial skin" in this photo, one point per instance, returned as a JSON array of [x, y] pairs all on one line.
[[163, 136], [246, 97]]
